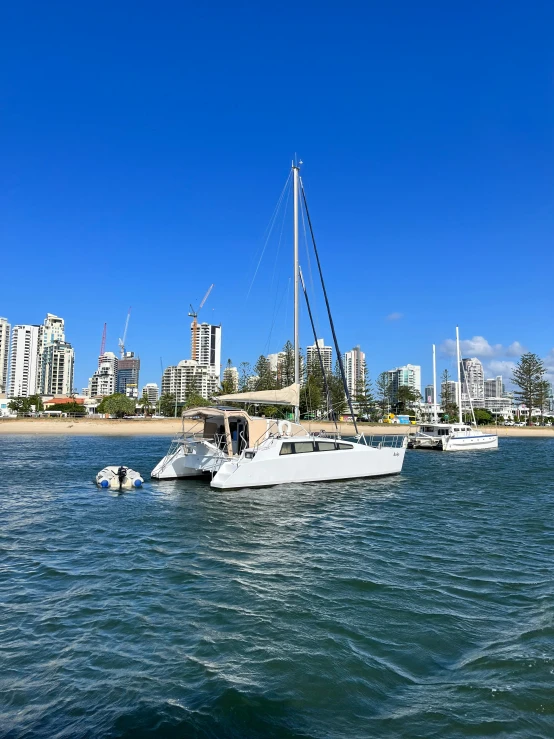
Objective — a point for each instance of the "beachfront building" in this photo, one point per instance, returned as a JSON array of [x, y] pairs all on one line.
[[24, 379], [207, 352], [151, 391], [276, 361], [354, 369], [312, 357], [53, 329], [449, 393], [4, 353], [189, 377], [128, 369], [56, 358], [494, 388], [409, 375], [231, 376], [473, 383], [57, 365], [429, 394], [103, 382]]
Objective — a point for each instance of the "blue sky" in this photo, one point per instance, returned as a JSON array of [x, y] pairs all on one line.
[[144, 146]]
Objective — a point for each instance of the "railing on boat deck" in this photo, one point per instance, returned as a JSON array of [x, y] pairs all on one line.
[[390, 441]]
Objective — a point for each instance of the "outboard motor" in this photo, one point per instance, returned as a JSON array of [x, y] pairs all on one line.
[[121, 475]]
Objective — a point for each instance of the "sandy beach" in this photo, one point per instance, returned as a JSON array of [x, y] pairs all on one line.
[[171, 426]]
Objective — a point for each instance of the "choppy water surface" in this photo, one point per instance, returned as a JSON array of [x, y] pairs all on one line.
[[416, 606]]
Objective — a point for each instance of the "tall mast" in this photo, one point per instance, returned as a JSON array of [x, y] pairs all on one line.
[[459, 376], [434, 385], [295, 169]]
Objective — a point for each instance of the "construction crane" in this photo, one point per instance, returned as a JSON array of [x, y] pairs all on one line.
[[103, 342], [122, 341], [194, 315]]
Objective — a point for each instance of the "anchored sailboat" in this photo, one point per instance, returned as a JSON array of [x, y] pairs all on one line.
[[452, 437], [240, 451]]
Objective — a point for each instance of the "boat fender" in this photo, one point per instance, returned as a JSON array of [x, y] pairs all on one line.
[[104, 484], [137, 483], [285, 428]]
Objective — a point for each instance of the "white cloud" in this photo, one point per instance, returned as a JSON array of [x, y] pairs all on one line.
[[504, 367], [515, 349], [479, 347], [394, 316], [549, 364]]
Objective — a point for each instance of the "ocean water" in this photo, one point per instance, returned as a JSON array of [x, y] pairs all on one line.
[[414, 606]]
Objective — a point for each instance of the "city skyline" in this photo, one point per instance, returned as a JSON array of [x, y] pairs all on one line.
[[495, 358]]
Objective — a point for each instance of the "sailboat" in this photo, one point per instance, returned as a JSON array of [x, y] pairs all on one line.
[[452, 437], [237, 450]]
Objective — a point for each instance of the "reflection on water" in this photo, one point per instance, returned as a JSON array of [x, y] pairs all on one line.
[[419, 605]]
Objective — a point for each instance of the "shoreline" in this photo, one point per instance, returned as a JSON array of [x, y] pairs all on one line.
[[172, 426]]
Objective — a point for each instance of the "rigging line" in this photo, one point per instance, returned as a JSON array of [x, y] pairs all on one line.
[[287, 303], [324, 374], [280, 240], [335, 340], [272, 223], [275, 312], [275, 306], [314, 293]]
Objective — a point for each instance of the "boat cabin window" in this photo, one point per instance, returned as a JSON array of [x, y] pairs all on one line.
[[326, 446], [443, 432], [427, 429], [301, 447]]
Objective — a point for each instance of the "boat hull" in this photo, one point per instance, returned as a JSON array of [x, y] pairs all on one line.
[[361, 462], [188, 460], [469, 443]]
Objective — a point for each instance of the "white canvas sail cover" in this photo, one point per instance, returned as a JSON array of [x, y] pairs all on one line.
[[287, 396]]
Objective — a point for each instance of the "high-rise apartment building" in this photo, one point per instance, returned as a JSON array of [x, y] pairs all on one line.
[[56, 358], [473, 381], [208, 346], [231, 376], [53, 329], [408, 375], [151, 391], [26, 342], [494, 387], [312, 358], [57, 366], [103, 382], [354, 369], [4, 353], [189, 377], [275, 362], [429, 394], [449, 393], [128, 369]]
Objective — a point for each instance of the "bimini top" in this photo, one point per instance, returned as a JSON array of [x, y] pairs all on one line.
[[211, 412], [286, 396]]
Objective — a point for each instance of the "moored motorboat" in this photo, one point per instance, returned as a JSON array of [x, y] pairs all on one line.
[[451, 437]]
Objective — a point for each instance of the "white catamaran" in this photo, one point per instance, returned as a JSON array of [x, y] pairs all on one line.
[[452, 437], [239, 451]]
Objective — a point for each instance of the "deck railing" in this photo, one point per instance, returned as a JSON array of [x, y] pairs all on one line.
[[395, 441]]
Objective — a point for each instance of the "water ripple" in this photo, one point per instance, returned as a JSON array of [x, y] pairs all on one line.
[[420, 606]]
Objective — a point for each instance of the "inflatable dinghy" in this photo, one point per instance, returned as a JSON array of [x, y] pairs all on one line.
[[118, 478]]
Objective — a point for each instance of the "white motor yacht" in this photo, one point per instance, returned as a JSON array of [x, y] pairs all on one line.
[[451, 437]]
